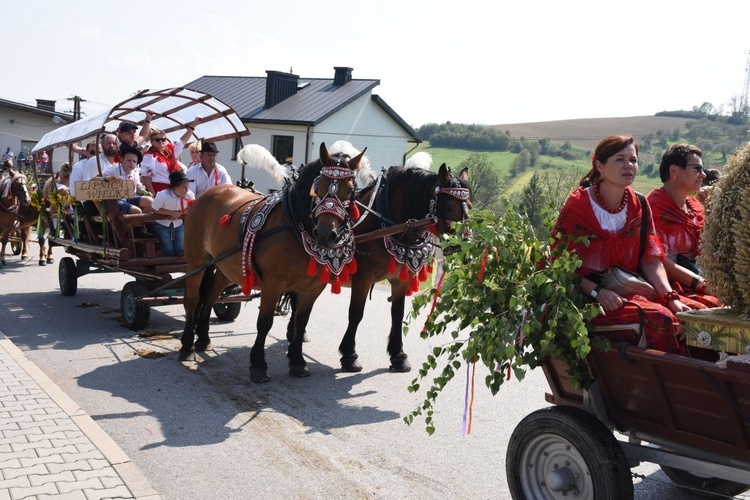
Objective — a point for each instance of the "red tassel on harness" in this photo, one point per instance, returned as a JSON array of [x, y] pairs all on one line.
[[423, 274], [353, 266], [433, 228], [312, 267], [355, 211], [404, 274], [392, 265], [336, 285], [429, 268], [249, 282], [226, 219], [325, 275], [483, 265], [414, 285]]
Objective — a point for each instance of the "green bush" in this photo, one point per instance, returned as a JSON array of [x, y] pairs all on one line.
[[525, 307]]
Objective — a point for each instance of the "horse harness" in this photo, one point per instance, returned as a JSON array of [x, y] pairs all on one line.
[[8, 194]]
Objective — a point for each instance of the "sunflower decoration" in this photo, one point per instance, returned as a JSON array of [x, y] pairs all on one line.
[[37, 199], [725, 244], [721, 339], [57, 199]]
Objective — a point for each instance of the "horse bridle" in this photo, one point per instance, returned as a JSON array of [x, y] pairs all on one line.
[[330, 203], [460, 193]]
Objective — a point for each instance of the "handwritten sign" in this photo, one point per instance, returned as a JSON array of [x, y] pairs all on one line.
[[99, 189]]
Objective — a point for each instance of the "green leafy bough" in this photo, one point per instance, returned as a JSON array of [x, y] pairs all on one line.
[[508, 299]]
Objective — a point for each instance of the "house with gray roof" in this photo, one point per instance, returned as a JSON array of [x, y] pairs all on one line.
[[290, 116]]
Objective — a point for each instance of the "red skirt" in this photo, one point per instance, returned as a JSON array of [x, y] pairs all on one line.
[[160, 186]]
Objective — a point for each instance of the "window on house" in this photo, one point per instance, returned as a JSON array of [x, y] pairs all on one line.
[[283, 147]]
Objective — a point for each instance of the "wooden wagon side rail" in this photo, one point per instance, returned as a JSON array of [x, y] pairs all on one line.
[[673, 398]]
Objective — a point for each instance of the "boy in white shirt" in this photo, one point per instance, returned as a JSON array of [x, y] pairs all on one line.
[[173, 203], [128, 169]]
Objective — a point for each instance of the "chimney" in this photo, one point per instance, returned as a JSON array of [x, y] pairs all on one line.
[[45, 104], [279, 86], [342, 75]]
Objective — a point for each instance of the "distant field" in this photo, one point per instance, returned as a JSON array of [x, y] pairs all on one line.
[[502, 162]]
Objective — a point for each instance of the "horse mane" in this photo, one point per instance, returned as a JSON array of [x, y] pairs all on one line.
[[419, 187], [300, 190]]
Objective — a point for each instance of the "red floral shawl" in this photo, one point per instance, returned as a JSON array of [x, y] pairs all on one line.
[[605, 249], [678, 231], [167, 157]]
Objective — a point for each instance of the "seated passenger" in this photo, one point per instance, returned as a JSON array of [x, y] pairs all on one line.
[[173, 203], [137, 202], [87, 170], [208, 173], [162, 158], [679, 218], [607, 212]]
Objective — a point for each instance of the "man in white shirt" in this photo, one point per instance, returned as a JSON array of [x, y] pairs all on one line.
[[88, 169], [208, 173]]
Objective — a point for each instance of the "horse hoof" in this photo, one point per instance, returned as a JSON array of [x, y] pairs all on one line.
[[400, 363], [202, 346], [259, 375], [351, 364], [50, 261], [24, 257], [299, 371], [42, 262], [186, 355]]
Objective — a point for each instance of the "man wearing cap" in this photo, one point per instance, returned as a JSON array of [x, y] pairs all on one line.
[[126, 132], [208, 173]]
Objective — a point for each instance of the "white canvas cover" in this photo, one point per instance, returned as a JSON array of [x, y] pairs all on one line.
[[173, 109]]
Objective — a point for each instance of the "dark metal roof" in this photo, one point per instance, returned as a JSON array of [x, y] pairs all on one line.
[[34, 109], [316, 99]]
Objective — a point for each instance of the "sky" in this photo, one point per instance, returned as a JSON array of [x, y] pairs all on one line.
[[471, 61]]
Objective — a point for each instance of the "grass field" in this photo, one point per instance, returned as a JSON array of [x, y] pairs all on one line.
[[502, 162]]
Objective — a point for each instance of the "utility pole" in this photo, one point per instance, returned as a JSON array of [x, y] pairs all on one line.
[[746, 88], [76, 106]]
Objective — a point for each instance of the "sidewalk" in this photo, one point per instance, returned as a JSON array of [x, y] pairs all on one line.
[[49, 447]]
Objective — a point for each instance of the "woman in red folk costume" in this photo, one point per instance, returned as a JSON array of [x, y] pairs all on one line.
[[679, 218], [607, 212], [162, 158]]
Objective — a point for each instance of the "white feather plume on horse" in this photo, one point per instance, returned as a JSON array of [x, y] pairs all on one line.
[[365, 174], [421, 160], [256, 156]]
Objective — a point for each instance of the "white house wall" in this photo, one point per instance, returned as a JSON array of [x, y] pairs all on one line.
[[365, 124], [17, 126]]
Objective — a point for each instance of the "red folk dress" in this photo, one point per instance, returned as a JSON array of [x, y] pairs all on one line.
[[619, 248], [680, 232], [158, 165]]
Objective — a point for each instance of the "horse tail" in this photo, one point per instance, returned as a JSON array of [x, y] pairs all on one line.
[[421, 160], [257, 156]]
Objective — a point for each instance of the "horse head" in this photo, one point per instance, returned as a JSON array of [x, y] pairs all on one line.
[[453, 198], [332, 195], [19, 189]]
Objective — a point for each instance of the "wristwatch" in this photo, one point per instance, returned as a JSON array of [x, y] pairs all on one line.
[[595, 291]]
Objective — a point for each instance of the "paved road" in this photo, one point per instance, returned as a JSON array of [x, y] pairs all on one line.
[[203, 430]]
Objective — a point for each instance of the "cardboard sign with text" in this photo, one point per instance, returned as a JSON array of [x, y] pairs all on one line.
[[99, 189]]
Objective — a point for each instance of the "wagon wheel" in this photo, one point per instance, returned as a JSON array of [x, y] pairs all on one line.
[[67, 274], [562, 452], [228, 311], [720, 488], [16, 244], [135, 313]]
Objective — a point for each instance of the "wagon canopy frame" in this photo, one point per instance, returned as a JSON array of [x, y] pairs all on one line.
[[174, 109]]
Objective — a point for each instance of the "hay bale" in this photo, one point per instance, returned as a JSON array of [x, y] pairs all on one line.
[[725, 243]]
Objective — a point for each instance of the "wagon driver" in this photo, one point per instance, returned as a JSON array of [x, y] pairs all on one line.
[[208, 173]]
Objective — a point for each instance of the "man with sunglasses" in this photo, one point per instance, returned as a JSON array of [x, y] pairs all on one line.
[[208, 173], [678, 219]]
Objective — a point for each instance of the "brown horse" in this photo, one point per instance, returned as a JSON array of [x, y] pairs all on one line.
[[399, 195], [277, 258], [15, 203]]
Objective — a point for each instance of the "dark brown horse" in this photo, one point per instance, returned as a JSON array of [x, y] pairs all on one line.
[[279, 245], [399, 195]]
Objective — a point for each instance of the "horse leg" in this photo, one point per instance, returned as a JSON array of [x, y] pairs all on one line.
[[25, 242], [297, 363], [4, 243], [42, 247], [269, 297], [195, 287], [293, 304], [399, 359], [218, 284], [347, 348]]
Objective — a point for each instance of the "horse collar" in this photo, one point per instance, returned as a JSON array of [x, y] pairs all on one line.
[[334, 258]]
